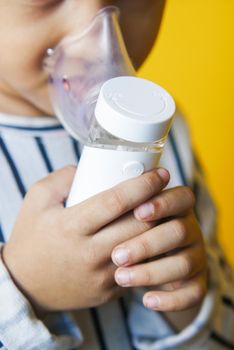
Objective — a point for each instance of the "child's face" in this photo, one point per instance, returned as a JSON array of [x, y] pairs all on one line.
[[29, 27]]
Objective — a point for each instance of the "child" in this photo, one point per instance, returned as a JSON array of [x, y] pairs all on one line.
[[102, 258]]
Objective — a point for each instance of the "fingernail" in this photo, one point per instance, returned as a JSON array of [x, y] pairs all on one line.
[[163, 173], [121, 256], [123, 277], [144, 211], [152, 302]]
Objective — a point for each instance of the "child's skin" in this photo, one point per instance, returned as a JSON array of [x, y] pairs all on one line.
[[68, 258]]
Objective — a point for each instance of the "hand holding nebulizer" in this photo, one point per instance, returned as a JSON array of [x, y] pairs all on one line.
[[122, 120]]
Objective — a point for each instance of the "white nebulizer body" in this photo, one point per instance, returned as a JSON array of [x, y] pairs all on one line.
[[131, 121], [122, 120]]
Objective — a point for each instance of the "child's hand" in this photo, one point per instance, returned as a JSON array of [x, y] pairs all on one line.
[[176, 271], [61, 257]]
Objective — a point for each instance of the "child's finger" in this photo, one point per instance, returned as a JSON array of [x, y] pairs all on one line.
[[181, 266], [156, 241], [53, 189], [180, 299], [171, 202], [103, 208], [124, 229]]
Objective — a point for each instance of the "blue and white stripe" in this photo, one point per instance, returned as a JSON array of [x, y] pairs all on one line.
[[30, 148]]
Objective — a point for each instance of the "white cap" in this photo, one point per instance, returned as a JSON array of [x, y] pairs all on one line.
[[134, 109]]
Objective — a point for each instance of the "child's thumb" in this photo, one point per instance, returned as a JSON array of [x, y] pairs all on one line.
[[54, 188]]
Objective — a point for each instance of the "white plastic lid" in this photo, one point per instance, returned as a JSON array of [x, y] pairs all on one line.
[[134, 109]]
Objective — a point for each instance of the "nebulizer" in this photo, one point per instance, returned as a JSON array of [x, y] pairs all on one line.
[[121, 120]]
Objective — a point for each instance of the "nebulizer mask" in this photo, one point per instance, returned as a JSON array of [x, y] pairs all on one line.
[[122, 120]]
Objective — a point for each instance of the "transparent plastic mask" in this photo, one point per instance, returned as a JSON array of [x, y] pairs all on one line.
[[78, 66]]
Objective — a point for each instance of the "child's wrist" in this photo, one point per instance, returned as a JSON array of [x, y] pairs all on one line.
[[39, 311]]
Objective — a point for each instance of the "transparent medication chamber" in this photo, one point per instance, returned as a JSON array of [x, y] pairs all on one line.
[[122, 120]]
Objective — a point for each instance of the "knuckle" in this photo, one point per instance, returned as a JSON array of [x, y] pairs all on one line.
[[144, 226], [144, 249], [179, 231], [37, 192], [116, 200], [190, 195], [163, 205], [148, 278], [173, 303], [185, 265], [150, 180], [38, 188], [199, 293]]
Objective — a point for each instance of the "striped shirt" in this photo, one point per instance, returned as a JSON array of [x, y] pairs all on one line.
[[30, 148]]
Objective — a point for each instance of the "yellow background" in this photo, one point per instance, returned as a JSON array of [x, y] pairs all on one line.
[[194, 59]]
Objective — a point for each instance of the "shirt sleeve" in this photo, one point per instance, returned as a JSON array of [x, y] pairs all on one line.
[[19, 327], [213, 326]]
